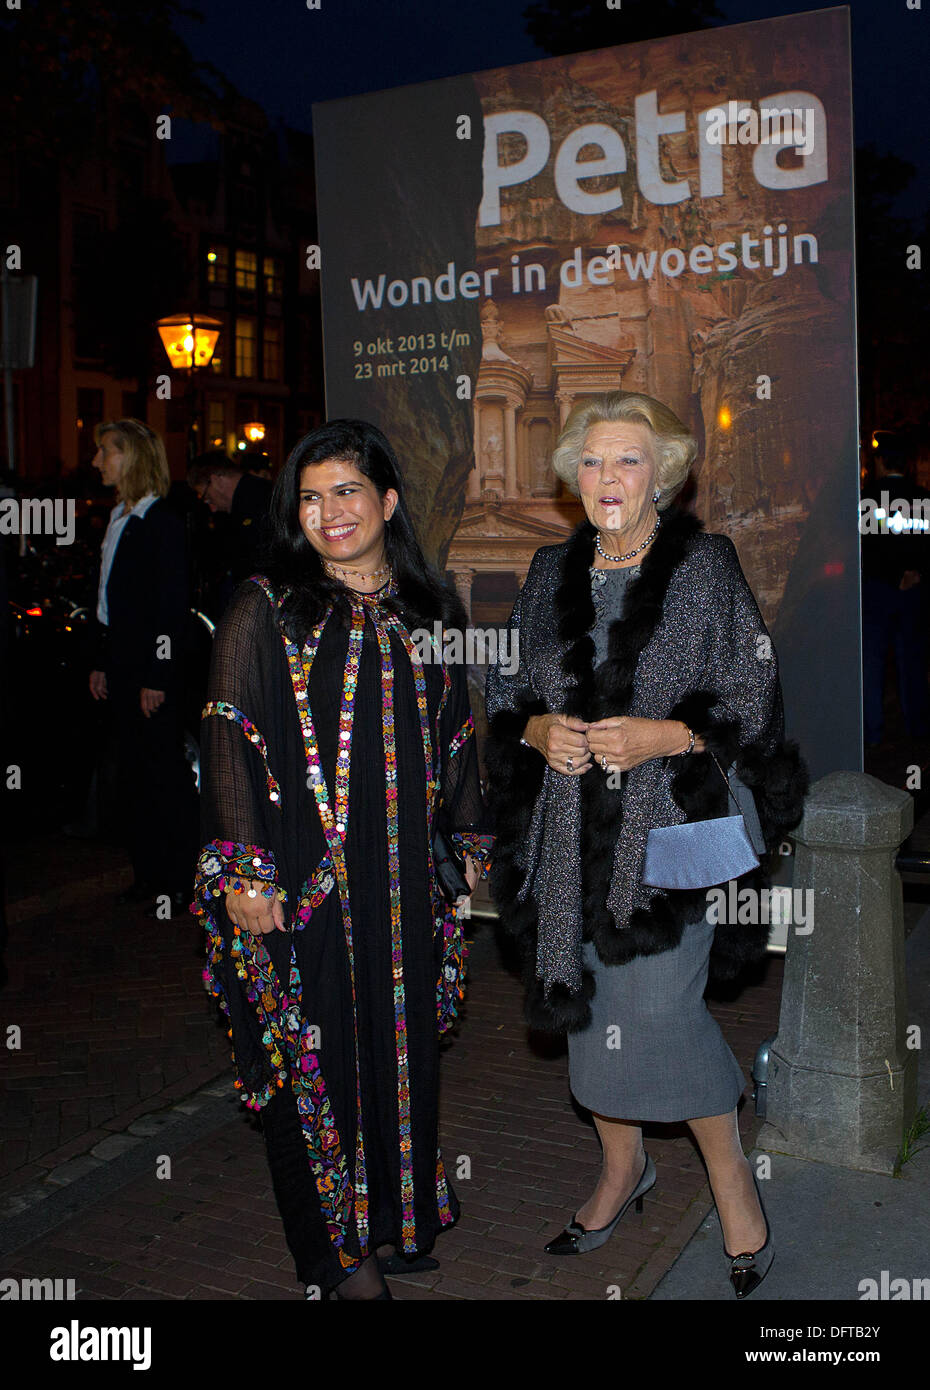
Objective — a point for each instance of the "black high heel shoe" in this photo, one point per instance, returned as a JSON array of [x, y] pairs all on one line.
[[749, 1269], [576, 1240]]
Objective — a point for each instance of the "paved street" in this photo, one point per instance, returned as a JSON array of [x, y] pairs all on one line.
[[123, 1064]]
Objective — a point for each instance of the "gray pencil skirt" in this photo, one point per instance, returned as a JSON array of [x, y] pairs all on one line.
[[652, 1051]]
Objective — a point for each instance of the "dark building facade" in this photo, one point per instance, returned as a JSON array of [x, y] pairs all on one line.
[[206, 221]]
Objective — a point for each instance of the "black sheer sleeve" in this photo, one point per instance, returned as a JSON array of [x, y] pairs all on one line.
[[240, 812], [240, 796], [515, 770], [461, 817], [462, 813]]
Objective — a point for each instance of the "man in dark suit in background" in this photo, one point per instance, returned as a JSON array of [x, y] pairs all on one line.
[[243, 500]]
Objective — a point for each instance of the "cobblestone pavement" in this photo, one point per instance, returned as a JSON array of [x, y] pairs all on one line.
[[110, 1005], [123, 1065]]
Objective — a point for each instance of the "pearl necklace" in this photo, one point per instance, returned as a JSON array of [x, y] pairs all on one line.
[[616, 559]]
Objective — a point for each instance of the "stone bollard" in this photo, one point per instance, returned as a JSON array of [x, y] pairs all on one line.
[[842, 1083]]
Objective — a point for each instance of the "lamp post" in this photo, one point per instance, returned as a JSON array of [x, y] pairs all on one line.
[[189, 341]]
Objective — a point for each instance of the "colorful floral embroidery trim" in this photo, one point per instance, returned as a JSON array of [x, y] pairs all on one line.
[[318, 886], [228, 711], [397, 958], [281, 1014], [450, 987], [462, 737], [334, 820], [286, 1037], [221, 862], [477, 846]]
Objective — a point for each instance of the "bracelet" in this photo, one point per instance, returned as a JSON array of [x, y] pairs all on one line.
[[238, 885], [685, 751]]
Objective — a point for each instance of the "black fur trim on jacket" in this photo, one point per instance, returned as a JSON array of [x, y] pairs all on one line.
[[511, 765], [779, 781], [600, 695], [562, 1012]]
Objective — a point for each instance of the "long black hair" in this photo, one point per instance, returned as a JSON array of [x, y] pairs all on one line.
[[291, 562]]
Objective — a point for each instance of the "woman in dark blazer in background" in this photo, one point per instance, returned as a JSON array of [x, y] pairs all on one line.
[[142, 611]]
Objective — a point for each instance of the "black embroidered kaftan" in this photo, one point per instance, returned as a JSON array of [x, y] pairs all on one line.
[[340, 1015]]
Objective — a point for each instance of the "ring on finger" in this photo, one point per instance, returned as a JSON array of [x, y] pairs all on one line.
[[569, 764], [604, 761]]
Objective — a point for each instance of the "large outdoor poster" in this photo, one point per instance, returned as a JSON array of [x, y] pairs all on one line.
[[673, 217]]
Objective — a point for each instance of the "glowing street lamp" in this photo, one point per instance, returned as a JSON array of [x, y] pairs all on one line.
[[254, 431], [189, 339]]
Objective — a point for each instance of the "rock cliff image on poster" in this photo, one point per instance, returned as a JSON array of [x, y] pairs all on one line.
[[673, 217]]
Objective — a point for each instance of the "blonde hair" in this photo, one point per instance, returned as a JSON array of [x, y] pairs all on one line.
[[145, 466], [676, 446]]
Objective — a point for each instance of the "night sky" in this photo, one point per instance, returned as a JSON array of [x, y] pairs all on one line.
[[285, 57]]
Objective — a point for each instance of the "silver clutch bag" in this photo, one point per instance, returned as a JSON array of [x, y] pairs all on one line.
[[701, 854]]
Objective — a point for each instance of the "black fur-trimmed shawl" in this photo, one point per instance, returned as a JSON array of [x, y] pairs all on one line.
[[554, 615]]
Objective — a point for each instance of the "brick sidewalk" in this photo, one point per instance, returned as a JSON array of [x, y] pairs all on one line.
[[113, 1015], [506, 1108]]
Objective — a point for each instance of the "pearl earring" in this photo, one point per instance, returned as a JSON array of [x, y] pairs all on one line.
[[656, 496]]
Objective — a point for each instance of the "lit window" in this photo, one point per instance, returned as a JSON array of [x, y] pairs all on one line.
[[274, 276], [245, 347], [218, 265], [246, 270], [216, 422]]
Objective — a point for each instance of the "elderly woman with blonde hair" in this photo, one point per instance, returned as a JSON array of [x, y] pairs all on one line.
[[645, 672], [142, 613]]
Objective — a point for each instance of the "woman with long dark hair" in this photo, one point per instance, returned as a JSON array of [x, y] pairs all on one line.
[[336, 743]]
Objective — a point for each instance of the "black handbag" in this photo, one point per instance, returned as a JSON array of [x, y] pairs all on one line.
[[450, 868]]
